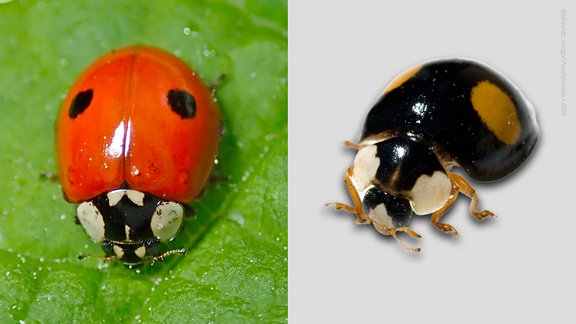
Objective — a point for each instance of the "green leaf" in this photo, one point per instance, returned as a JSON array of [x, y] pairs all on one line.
[[236, 266]]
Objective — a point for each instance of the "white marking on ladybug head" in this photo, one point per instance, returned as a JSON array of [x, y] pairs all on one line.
[[430, 193], [140, 252], [115, 196], [379, 215], [167, 220], [118, 251], [366, 165], [136, 197], [92, 221]]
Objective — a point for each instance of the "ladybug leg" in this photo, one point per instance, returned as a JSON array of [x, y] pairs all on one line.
[[459, 184], [435, 219], [216, 177], [216, 83], [465, 188], [354, 145], [392, 231], [110, 258], [357, 209], [49, 176]]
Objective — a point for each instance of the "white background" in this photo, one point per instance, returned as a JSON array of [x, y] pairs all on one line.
[[519, 266]]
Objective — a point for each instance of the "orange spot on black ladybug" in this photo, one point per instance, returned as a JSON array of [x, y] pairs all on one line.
[[497, 111], [401, 79]]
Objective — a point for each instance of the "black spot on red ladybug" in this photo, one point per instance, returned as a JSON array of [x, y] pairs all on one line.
[[182, 103], [80, 103]]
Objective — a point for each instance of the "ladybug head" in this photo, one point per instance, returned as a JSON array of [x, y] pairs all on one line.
[[385, 209], [135, 254], [131, 225]]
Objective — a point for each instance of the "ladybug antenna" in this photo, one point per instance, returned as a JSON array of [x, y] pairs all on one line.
[[169, 253], [392, 231], [410, 232]]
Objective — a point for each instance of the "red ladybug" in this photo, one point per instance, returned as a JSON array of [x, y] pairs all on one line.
[[136, 138]]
